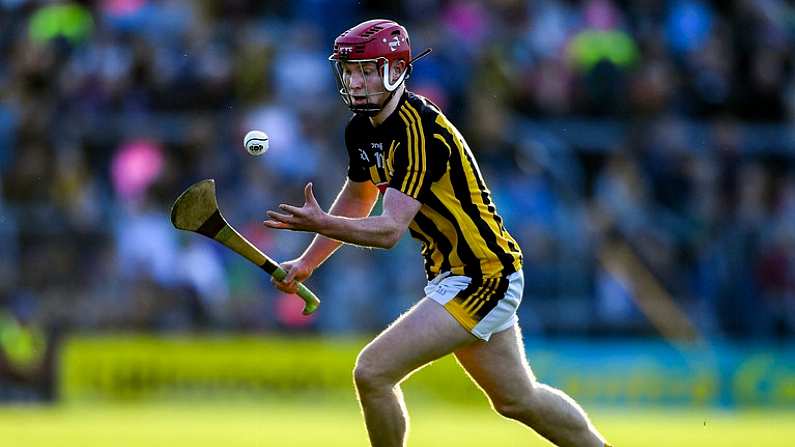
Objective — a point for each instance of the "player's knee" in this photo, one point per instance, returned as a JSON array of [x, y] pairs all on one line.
[[513, 409], [368, 376], [519, 406]]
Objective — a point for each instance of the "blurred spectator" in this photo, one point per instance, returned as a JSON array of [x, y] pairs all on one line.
[[27, 352]]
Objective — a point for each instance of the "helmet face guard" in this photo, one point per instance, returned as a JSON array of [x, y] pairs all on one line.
[[379, 41], [370, 108]]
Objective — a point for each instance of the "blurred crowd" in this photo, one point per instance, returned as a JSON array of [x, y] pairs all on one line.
[[662, 126]]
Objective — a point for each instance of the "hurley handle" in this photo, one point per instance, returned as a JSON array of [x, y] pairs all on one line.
[[307, 295]]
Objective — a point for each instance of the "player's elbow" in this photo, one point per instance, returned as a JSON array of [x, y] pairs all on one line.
[[393, 225], [389, 240], [390, 237]]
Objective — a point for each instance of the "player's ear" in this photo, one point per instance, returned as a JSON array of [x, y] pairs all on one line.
[[397, 69]]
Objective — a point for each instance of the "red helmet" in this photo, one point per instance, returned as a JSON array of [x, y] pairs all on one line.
[[381, 41], [373, 39]]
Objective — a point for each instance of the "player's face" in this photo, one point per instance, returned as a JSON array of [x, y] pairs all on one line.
[[363, 82]]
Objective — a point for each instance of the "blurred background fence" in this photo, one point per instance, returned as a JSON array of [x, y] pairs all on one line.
[[641, 152], [140, 368]]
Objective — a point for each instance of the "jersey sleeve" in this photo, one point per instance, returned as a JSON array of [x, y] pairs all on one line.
[[358, 170], [421, 158]]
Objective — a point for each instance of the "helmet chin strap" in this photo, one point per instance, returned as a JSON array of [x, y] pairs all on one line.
[[365, 109], [372, 110]]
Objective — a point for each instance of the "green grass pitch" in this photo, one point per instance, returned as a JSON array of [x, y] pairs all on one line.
[[305, 423]]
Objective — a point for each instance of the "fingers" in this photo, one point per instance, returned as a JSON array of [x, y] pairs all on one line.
[[286, 287], [290, 276], [278, 225], [288, 284], [286, 218], [294, 217], [280, 221], [294, 210]]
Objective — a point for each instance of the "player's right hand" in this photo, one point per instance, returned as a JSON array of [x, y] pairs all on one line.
[[297, 271]]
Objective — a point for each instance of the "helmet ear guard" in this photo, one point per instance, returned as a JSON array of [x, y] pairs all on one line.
[[390, 87], [406, 73]]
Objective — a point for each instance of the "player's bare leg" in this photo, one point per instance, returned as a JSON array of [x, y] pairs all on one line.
[[499, 367], [423, 334]]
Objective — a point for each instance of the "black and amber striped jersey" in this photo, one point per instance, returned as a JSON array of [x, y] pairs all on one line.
[[417, 151]]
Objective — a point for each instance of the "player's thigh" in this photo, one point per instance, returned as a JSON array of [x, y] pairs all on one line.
[[423, 334], [499, 366]]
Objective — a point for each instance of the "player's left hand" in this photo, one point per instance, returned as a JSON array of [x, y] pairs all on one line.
[[309, 217]]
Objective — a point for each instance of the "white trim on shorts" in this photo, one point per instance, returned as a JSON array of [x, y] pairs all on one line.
[[444, 288]]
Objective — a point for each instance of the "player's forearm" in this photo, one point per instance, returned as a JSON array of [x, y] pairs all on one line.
[[375, 231], [323, 247]]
